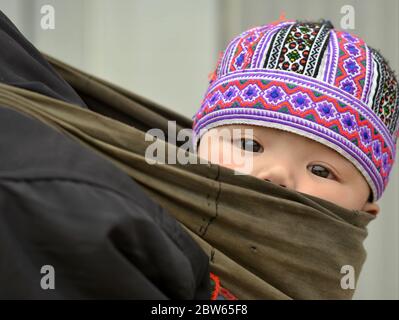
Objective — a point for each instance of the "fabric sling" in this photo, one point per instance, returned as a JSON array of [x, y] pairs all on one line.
[[263, 241]]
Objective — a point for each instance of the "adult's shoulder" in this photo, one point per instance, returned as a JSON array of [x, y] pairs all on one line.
[[64, 205]]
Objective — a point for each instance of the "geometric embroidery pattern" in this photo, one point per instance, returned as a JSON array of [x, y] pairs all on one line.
[[351, 69], [302, 50], [386, 97]]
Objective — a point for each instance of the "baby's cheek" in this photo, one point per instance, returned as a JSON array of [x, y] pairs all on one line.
[[238, 160], [334, 192], [225, 154]]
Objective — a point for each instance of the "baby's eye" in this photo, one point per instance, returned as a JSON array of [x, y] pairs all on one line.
[[321, 171], [250, 145]]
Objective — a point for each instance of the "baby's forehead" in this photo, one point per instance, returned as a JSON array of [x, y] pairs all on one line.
[[265, 132]]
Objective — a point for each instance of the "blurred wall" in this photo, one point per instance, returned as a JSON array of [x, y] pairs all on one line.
[[164, 50]]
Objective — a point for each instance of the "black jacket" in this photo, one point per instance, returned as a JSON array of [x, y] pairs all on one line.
[[64, 206]]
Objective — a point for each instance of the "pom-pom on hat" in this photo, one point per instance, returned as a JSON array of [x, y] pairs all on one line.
[[310, 79]]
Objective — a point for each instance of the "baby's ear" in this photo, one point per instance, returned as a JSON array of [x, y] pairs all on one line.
[[371, 207]]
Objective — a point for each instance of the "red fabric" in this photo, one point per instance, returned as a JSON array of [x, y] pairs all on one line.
[[219, 291]]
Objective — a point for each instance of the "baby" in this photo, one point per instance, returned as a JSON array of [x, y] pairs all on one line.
[[316, 110]]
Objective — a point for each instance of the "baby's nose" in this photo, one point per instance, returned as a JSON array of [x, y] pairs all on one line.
[[282, 185], [279, 175]]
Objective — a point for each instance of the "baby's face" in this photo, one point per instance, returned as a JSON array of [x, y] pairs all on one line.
[[291, 161]]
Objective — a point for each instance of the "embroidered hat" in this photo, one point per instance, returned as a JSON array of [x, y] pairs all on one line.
[[310, 79]]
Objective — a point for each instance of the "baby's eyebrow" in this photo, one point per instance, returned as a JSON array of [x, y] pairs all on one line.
[[242, 131]]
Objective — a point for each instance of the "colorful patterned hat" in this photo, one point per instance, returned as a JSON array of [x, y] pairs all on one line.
[[312, 80]]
